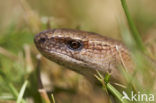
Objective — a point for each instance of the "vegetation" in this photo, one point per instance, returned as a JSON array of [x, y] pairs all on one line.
[[22, 67]]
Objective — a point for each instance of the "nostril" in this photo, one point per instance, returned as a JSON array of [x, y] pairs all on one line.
[[42, 40]]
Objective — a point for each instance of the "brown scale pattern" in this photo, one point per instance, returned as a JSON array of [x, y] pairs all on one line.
[[98, 52]]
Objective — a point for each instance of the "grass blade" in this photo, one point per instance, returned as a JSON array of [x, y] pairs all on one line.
[[132, 27], [20, 96], [116, 93], [53, 99], [10, 85]]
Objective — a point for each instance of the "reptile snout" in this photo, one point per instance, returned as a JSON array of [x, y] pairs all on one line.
[[40, 40]]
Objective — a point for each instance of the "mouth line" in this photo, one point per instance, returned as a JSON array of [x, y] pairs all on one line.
[[66, 56], [49, 53], [61, 55]]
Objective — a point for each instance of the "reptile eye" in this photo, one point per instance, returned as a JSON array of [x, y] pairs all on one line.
[[74, 45], [42, 40]]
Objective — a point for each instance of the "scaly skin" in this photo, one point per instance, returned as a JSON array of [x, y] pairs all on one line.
[[95, 53]]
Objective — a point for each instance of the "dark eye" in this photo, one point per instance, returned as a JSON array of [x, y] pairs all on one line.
[[74, 45], [42, 40]]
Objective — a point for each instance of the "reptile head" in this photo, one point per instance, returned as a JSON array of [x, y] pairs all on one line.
[[80, 51]]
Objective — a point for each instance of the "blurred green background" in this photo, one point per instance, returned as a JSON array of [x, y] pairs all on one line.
[[20, 20]]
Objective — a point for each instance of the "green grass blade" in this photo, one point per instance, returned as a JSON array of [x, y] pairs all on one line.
[[20, 96], [10, 86], [132, 27], [13, 90], [116, 93], [109, 87], [53, 99], [7, 97]]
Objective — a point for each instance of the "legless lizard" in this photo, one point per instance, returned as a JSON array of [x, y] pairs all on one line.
[[84, 52]]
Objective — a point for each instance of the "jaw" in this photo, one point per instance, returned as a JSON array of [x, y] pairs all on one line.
[[72, 64], [78, 66]]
